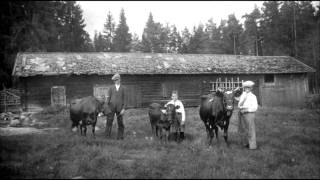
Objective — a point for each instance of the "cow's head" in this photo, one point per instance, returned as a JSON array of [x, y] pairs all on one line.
[[228, 99], [171, 112], [90, 119], [103, 106]]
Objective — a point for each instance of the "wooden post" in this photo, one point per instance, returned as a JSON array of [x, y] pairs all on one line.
[[217, 81], [225, 83], [232, 83]]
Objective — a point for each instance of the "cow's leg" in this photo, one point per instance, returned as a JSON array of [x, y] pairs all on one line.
[[206, 124], [225, 135], [93, 129], [81, 126], [211, 128], [178, 134], [154, 130], [167, 135], [211, 136], [85, 130], [160, 135], [157, 131], [216, 130]]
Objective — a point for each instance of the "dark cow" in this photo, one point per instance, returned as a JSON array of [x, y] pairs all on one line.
[[216, 110], [211, 111], [161, 122], [84, 111]]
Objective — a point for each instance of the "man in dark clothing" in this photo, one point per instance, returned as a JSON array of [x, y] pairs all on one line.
[[116, 100]]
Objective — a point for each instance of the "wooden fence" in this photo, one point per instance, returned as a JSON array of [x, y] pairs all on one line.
[[9, 98], [227, 84]]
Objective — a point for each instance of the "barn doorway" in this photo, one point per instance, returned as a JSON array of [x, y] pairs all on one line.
[[100, 91], [134, 97], [58, 95]]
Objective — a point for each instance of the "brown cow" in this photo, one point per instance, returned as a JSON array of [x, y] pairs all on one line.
[[84, 111]]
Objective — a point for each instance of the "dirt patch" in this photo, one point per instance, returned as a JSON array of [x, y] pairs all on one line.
[[10, 131]]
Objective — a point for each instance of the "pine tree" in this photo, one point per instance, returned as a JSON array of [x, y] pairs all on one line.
[[109, 32], [164, 39], [233, 35], [175, 40], [185, 40], [151, 36], [252, 33], [136, 45], [122, 37], [74, 36], [270, 23], [196, 40]]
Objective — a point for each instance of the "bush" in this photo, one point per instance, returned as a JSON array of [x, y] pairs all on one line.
[[313, 101]]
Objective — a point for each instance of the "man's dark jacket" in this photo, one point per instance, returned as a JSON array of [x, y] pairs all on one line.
[[117, 99]]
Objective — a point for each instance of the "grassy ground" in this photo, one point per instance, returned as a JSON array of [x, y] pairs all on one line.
[[288, 140]]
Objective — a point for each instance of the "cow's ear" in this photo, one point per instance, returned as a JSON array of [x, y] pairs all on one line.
[[177, 106]]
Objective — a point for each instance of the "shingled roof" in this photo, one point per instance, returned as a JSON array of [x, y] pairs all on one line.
[[31, 64]]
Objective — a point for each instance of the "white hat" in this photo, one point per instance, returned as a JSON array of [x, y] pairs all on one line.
[[247, 84]]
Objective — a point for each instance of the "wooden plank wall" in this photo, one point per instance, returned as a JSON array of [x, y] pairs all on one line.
[[288, 90], [144, 89]]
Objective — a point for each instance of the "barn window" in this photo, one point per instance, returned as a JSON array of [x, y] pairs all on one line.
[[58, 95], [269, 78]]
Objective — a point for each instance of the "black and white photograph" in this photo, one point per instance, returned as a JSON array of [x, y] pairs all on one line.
[[160, 89]]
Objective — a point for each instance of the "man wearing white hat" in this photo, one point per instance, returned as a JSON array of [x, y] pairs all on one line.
[[117, 101], [248, 105]]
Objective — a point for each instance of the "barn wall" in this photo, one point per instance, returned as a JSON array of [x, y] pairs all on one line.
[[288, 90], [144, 89]]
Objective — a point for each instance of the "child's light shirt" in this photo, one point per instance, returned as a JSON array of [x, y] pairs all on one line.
[[180, 110]]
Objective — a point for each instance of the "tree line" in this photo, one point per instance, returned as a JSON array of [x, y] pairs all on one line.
[[289, 28]]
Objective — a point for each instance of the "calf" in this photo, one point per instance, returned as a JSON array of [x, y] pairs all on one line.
[[175, 122], [158, 120], [161, 122]]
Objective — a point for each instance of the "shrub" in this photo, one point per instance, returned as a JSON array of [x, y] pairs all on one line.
[[313, 101]]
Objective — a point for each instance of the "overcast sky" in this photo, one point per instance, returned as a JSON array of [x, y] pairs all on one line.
[[180, 13]]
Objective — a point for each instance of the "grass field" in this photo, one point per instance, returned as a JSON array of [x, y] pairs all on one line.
[[288, 140]]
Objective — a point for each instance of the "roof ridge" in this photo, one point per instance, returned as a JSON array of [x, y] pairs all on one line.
[[88, 52]]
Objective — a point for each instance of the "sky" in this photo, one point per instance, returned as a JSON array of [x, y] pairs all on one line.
[[179, 13]]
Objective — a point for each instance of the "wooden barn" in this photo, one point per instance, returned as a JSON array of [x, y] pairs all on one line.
[[56, 78]]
